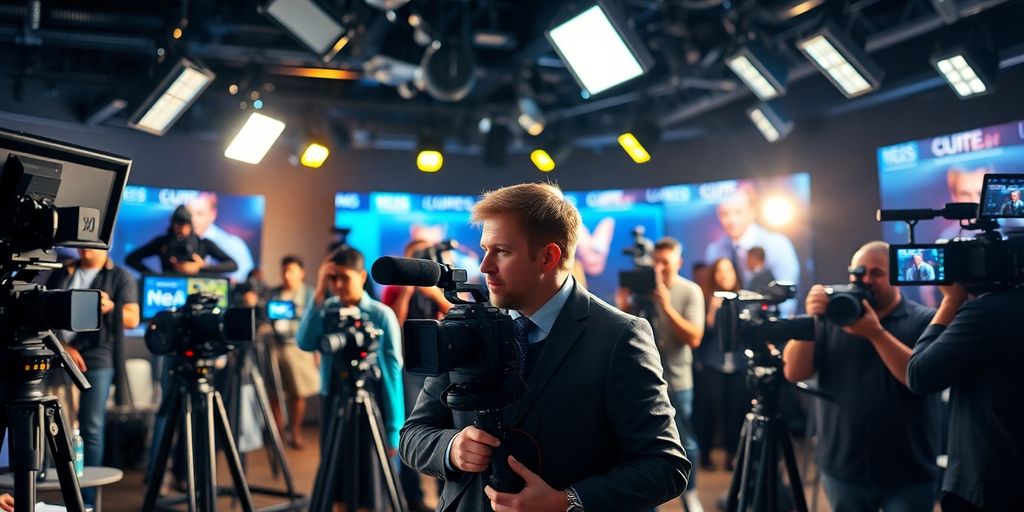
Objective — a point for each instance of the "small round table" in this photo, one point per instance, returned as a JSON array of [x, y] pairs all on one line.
[[95, 476]]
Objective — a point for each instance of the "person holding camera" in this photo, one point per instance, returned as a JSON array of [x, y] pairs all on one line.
[[976, 349], [181, 251], [876, 444], [678, 324], [339, 282], [99, 354], [298, 377], [595, 409]]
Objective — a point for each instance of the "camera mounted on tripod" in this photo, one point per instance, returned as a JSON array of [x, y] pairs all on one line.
[[987, 263], [200, 328], [351, 339], [751, 320]]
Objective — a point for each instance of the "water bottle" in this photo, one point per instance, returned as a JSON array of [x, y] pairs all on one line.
[[79, 454]]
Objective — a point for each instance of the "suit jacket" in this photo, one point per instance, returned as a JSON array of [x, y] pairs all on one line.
[[597, 407]]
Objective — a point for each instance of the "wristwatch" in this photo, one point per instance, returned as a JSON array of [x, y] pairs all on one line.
[[575, 505]]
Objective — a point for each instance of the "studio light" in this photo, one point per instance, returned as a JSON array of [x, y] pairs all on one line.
[[548, 157], [771, 120], [314, 155], [969, 70], [177, 91], [640, 141], [254, 139], [429, 157], [310, 23], [844, 63], [599, 48], [530, 116], [762, 71]]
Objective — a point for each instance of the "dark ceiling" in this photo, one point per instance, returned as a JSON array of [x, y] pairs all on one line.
[[86, 53]]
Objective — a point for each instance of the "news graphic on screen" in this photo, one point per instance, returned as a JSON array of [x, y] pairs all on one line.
[[930, 172], [919, 265], [280, 310], [233, 222], [160, 293], [1001, 197], [771, 212]]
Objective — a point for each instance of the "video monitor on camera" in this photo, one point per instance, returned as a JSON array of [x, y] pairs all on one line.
[[1001, 196], [83, 185], [280, 310], [919, 264], [640, 281], [162, 293]]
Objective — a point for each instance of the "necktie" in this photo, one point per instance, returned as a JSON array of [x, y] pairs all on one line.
[[521, 328], [734, 258], [917, 273]]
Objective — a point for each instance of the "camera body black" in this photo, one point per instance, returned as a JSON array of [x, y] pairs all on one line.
[[845, 301], [182, 249], [471, 339], [348, 336], [750, 320], [200, 328], [641, 280]]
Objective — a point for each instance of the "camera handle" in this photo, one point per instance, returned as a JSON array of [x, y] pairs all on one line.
[[502, 478]]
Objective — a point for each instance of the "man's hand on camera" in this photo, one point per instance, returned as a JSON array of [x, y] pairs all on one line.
[[106, 304], [536, 496], [661, 296], [471, 450], [76, 357], [189, 267], [817, 300], [623, 299], [868, 325], [954, 293]]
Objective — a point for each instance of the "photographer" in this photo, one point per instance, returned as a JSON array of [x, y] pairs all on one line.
[[679, 327], [976, 348], [596, 407], [876, 445], [342, 275], [181, 251]]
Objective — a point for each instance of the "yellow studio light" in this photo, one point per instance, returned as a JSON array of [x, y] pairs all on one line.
[[777, 211], [542, 160], [429, 160], [633, 148], [314, 155]]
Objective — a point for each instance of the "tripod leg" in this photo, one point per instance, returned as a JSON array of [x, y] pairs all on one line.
[[276, 445], [762, 474], [26, 451], [741, 462], [353, 450], [748, 461], [376, 423], [795, 484], [163, 452], [271, 361], [327, 473], [234, 462], [63, 456], [190, 461]]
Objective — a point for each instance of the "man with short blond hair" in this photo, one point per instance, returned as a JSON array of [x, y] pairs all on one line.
[[595, 409]]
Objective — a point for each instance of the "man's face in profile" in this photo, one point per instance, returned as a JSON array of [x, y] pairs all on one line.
[[736, 214], [513, 270], [965, 186], [203, 214]]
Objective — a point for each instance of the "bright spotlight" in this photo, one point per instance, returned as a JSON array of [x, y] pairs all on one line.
[[254, 139], [777, 211]]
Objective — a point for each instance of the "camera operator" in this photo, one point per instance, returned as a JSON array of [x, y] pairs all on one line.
[[876, 445], [976, 348], [97, 353], [596, 406], [679, 327], [342, 276], [181, 251]]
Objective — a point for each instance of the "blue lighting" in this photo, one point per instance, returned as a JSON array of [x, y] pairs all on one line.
[[584, 94], [258, 104]]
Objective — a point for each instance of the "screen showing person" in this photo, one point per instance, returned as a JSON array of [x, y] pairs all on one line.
[[1001, 196], [920, 265], [280, 310], [161, 293]]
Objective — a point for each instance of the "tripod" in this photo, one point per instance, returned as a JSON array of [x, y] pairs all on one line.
[[354, 408], [248, 374], [29, 414], [763, 436], [198, 409]]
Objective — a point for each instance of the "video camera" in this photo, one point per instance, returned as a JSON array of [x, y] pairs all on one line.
[[349, 336], [987, 263], [752, 319], [200, 328], [845, 304], [436, 252], [641, 280]]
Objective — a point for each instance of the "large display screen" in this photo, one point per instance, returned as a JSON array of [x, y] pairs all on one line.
[[713, 220], [928, 173]]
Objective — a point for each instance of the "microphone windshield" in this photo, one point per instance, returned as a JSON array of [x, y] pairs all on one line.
[[405, 271]]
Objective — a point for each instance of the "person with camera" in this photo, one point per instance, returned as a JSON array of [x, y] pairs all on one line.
[[181, 251], [678, 324], [595, 408], [339, 282], [976, 349], [876, 444], [299, 378], [99, 354]]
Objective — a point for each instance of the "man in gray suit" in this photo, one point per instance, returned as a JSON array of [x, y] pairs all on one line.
[[595, 410]]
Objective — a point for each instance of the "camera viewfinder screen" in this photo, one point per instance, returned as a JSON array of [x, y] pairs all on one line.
[[920, 265], [160, 293], [280, 310], [1001, 196]]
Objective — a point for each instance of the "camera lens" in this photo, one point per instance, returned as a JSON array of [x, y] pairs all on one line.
[[844, 308]]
